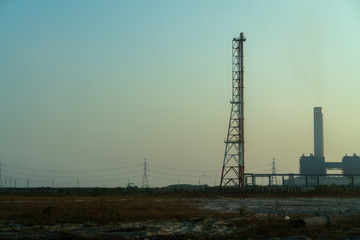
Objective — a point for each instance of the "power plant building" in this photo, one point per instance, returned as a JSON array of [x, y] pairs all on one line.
[[318, 133], [351, 165], [315, 166], [315, 163], [312, 165]]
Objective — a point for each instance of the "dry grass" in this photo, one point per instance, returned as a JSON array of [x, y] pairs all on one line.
[[47, 210], [79, 209]]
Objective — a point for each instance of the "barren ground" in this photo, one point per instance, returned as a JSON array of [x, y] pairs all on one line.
[[149, 216]]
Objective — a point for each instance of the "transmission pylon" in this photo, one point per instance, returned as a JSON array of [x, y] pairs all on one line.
[[233, 165], [1, 182], [145, 182], [273, 172]]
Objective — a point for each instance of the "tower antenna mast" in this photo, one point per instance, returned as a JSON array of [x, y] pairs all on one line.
[[234, 164]]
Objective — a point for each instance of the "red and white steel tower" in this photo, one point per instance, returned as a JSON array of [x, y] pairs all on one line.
[[233, 166]]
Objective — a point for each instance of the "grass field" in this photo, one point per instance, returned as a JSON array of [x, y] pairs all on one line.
[[150, 216], [100, 209]]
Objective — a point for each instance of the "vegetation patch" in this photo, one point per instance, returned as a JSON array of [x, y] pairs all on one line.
[[33, 210]]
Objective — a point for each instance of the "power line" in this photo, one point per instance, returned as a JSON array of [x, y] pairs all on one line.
[[259, 166], [286, 167], [85, 179], [70, 182], [71, 171], [171, 174], [172, 180], [181, 170], [67, 176]]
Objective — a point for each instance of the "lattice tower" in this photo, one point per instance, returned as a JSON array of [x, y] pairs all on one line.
[[145, 182], [233, 165], [273, 171], [1, 182]]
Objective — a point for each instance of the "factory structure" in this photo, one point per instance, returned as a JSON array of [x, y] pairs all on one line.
[[313, 168]]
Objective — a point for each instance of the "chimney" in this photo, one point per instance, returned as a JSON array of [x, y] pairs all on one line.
[[318, 132]]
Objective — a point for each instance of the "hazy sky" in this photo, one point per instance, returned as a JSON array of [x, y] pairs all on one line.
[[89, 86]]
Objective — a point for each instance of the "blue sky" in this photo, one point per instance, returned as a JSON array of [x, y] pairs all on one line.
[[97, 85]]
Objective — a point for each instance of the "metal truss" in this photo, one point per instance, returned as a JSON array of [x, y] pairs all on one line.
[[145, 182], [233, 165]]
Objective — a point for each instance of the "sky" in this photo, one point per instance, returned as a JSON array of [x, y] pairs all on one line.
[[88, 89]]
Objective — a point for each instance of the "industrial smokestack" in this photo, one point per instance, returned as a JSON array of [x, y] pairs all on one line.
[[318, 132]]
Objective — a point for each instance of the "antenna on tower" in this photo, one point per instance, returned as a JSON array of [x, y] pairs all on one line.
[[145, 183], [1, 182]]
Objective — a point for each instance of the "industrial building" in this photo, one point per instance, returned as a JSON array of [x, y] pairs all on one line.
[[315, 167], [312, 165]]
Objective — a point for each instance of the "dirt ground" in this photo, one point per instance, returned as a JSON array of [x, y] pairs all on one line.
[[285, 206], [177, 217]]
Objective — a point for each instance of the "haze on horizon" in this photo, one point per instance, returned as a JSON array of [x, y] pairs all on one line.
[[88, 89]]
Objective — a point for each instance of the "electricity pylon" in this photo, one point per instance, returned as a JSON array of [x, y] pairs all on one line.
[[1, 182], [145, 182]]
